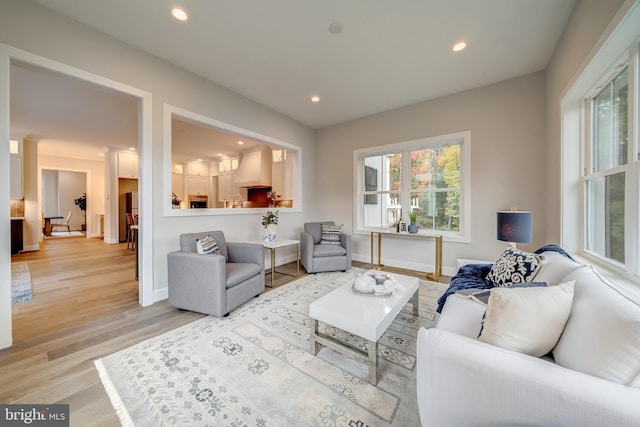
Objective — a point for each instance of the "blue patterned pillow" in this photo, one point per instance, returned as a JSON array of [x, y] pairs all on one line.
[[514, 266]]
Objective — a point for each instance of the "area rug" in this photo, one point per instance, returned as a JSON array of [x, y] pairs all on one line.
[[67, 234], [20, 283], [254, 368]]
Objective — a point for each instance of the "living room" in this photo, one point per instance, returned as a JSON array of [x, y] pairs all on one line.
[[515, 124]]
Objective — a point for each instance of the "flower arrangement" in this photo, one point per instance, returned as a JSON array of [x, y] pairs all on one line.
[[270, 224], [174, 200], [270, 218], [273, 197]]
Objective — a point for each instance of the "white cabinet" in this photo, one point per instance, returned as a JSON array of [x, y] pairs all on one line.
[[277, 179], [177, 186], [229, 165], [198, 185], [227, 187], [15, 169], [197, 169], [127, 165]]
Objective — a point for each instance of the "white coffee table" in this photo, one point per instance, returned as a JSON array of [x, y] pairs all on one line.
[[365, 316]]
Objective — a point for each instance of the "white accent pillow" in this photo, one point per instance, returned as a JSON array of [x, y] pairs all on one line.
[[527, 320], [602, 336], [555, 268], [207, 245]]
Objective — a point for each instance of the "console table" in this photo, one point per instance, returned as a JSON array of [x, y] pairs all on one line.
[[438, 255]]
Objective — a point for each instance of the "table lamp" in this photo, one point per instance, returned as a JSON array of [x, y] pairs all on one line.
[[514, 226]]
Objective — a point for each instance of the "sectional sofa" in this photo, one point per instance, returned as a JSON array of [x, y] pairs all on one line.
[[587, 376]]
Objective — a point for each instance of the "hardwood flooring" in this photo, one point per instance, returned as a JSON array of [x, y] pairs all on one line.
[[85, 307]]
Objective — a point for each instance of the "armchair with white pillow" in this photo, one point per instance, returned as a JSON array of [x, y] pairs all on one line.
[[589, 372]]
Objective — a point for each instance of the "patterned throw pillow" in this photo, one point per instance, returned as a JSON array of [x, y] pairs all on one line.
[[208, 245], [330, 234], [514, 266]]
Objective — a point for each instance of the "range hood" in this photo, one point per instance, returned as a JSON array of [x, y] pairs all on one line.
[[255, 169]]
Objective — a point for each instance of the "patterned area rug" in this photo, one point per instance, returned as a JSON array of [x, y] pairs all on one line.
[[20, 283], [254, 368]]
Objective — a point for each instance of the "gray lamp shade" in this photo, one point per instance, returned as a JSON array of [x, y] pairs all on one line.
[[514, 226]]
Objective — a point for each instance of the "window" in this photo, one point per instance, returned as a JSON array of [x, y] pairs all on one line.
[[610, 193], [425, 176]]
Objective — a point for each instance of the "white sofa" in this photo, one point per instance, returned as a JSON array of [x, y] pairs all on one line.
[[591, 378]]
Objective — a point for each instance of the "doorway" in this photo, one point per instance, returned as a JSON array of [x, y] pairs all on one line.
[[64, 195], [142, 118]]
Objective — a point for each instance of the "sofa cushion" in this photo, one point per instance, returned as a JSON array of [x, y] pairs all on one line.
[[238, 272], [320, 251], [330, 234], [602, 336], [555, 267], [514, 266], [207, 245], [529, 320]]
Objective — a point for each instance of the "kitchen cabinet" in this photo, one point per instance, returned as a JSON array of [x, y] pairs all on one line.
[[177, 186], [16, 235], [198, 169], [229, 165], [227, 187], [198, 185], [16, 190], [277, 179], [127, 165]]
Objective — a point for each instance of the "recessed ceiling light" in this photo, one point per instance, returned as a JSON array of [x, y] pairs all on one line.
[[199, 160], [335, 28], [101, 154], [240, 142], [459, 46], [179, 14], [315, 99], [132, 148]]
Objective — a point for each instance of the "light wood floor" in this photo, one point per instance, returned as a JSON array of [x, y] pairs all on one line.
[[85, 307]]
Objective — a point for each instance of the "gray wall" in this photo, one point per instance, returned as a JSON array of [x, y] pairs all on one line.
[[508, 151]]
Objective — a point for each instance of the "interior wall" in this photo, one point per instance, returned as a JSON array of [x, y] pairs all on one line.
[[507, 122], [71, 185], [95, 171], [36, 29], [49, 192]]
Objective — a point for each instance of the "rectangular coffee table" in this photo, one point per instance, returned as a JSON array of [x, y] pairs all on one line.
[[364, 316]]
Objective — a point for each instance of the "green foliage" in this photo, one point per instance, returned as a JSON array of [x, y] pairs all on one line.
[[81, 202], [413, 216], [270, 218]]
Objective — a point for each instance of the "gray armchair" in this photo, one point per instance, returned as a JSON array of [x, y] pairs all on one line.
[[214, 284], [316, 257]]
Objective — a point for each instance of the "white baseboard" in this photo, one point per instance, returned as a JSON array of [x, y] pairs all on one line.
[[31, 248], [398, 263]]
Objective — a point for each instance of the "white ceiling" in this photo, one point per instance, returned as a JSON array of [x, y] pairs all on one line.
[[280, 52]]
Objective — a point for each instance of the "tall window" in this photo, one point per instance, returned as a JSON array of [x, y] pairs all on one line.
[[609, 171], [424, 177]]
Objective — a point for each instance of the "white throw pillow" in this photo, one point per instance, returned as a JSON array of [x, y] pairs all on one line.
[[602, 336], [207, 245], [527, 320], [555, 268]]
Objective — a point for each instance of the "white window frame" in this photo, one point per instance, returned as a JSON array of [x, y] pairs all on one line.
[[631, 169], [461, 138]]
